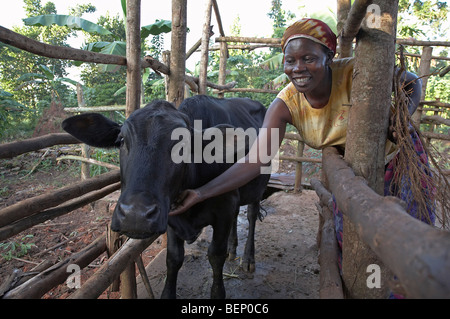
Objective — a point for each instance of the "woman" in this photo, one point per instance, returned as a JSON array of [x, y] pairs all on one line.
[[316, 102]]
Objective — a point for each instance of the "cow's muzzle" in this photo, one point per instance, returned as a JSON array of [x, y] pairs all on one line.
[[137, 216]]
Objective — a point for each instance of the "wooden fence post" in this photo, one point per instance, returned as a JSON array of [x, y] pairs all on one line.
[[133, 102], [299, 167], [133, 93], [178, 52], [205, 49], [366, 135], [424, 74], [223, 66], [85, 167]]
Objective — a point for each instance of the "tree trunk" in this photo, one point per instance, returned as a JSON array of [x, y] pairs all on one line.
[[366, 135]]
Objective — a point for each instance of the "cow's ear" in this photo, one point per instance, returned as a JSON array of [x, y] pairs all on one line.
[[93, 129]]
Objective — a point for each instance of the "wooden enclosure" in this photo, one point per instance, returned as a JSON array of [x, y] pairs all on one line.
[[421, 265]]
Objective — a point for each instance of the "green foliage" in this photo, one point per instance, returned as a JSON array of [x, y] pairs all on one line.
[[8, 106], [35, 93], [104, 155], [28, 83], [422, 19], [16, 249], [160, 26], [72, 22]]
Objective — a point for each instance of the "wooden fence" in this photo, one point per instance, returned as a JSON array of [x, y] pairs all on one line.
[[423, 264]]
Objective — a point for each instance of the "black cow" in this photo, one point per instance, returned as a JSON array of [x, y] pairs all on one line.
[[151, 180]]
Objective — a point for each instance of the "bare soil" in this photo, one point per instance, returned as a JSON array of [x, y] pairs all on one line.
[[287, 254]]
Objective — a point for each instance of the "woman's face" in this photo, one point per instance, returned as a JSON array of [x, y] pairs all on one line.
[[305, 63]]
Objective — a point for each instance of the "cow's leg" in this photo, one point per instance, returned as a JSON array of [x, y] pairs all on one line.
[[248, 260], [233, 239], [174, 261], [217, 254]]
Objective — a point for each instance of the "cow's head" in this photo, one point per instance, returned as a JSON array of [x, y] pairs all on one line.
[[150, 179]]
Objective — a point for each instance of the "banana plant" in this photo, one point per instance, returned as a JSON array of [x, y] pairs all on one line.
[[47, 77], [75, 23], [116, 47]]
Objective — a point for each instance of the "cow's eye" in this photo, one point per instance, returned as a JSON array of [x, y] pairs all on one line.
[[120, 140]]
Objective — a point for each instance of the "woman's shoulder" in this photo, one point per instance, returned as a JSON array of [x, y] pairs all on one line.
[[288, 93], [343, 64], [343, 72]]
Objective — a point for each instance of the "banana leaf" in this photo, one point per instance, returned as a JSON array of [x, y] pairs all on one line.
[[160, 26], [72, 22]]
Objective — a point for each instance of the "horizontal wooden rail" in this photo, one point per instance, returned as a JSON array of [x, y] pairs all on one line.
[[57, 52], [249, 40], [10, 150], [40, 217], [436, 104], [300, 159], [112, 268], [36, 204], [416, 252], [37, 286]]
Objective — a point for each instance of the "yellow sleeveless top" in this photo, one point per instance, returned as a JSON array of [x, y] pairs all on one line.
[[327, 126]]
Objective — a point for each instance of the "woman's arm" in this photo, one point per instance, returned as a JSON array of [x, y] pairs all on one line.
[[413, 89], [245, 169]]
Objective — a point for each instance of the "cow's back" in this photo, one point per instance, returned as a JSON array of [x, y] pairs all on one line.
[[238, 112]]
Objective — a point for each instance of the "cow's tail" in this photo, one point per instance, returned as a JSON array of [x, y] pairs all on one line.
[[262, 213]]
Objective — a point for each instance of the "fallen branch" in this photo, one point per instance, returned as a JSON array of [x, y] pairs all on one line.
[[35, 166], [87, 160]]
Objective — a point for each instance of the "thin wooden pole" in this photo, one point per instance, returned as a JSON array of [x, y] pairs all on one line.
[[223, 66], [424, 74], [178, 52], [204, 49], [133, 51], [299, 167]]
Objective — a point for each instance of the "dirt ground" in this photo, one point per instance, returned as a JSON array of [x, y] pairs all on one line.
[[286, 260], [286, 256]]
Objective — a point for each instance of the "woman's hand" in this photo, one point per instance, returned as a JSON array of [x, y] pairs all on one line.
[[186, 200], [392, 134]]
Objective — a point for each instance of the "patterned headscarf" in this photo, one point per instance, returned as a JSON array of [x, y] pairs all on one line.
[[312, 29]]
